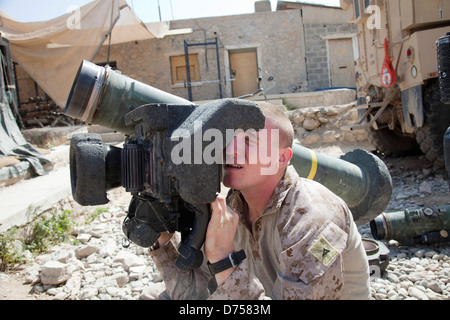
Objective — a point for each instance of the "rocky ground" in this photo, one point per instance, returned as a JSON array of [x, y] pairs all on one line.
[[417, 271], [99, 267]]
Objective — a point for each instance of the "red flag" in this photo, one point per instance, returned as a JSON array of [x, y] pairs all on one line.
[[388, 75]]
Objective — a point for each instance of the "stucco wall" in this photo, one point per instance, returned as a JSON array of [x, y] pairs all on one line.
[[277, 37]]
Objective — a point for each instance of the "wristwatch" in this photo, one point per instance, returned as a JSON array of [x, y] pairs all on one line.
[[232, 260]]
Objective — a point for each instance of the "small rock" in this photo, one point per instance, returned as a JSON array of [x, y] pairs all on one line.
[[84, 237], [299, 119], [403, 292], [322, 120], [88, 292], [32, 276], [425, 187], [153, 292], [415, 276], [109, 248], [122, 279], [392, 278], [73, 285], [61, 296], [54, 272], [430, 254], [132, 261], [401, 196], [104, 296], [64, 256], [310, 124], [416, 293], [86, 251], [436, 287], [420, 253]]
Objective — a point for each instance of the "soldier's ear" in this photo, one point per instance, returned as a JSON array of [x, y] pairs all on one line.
[[285, 156]]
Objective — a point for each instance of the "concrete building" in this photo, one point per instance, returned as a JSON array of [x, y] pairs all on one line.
[[297, 48]]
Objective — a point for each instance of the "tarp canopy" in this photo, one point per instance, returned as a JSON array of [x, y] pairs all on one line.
[[12, 143], [51, 51]]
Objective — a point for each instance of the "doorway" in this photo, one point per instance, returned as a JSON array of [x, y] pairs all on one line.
[[342, 65], [243, 71]]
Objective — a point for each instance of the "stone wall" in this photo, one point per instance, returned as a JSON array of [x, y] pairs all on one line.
[[324, 124]]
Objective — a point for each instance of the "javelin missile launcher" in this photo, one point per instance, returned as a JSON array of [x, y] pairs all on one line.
[[168, 196]]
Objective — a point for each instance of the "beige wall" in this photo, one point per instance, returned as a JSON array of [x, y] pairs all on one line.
[[277, 37], [319, 14], [291, 47]]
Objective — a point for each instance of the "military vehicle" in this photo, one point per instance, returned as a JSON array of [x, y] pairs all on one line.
[[397, 79]]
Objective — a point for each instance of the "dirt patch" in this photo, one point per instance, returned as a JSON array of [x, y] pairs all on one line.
[[13, 287]]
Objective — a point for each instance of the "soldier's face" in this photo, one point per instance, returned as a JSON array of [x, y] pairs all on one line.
[[252, 158]]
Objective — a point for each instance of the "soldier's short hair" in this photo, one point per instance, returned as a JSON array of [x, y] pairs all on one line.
[[280, 121]]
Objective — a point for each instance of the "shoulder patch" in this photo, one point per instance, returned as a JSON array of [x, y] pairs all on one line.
[[323, 251]]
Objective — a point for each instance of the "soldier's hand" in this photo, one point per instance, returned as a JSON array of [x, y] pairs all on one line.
[[219, 241], [164, 238]]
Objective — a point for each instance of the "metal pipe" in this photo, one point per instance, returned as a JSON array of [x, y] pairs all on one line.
[[188, 69], [218, 69]]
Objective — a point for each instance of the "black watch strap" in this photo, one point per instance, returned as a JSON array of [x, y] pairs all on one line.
[[231, 261]]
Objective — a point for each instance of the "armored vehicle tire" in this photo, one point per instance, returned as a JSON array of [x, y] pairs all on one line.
[[437, 119], [392, 143]]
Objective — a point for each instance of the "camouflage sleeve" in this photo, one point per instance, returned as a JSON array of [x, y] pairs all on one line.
[[312, 268], [240, 285], [180, 285]]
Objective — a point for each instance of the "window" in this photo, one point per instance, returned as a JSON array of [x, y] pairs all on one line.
[[178, 65]]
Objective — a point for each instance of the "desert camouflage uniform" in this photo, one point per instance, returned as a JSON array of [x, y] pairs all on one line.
[[305, 245]]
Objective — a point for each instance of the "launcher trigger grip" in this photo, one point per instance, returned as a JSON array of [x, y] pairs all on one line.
[[190, 255]]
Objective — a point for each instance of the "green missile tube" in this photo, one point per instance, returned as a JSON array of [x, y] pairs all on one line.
[[411, 226], [102, 96], [360, 178]]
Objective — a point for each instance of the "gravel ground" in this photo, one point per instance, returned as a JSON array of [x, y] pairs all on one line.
[[416, 271]]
